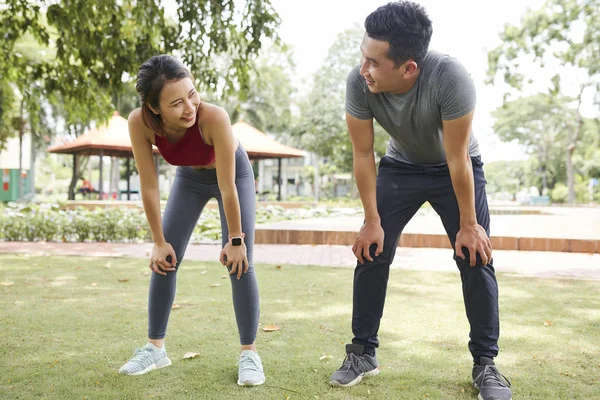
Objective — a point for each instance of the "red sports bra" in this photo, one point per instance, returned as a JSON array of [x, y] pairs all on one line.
[[191, 150]]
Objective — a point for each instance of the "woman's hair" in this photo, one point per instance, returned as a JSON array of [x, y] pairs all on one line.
[[151, 79], [405, 26]]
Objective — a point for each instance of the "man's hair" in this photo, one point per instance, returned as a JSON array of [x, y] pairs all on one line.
[[405, 26]]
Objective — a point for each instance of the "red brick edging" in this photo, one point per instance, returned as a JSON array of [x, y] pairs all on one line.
[[276, 236]]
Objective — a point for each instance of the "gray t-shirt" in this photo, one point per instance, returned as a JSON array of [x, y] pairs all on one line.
[[443, 91]]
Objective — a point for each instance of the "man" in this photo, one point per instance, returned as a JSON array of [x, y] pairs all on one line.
[[425, 101]]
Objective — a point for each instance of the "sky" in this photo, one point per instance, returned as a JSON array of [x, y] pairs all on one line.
[[464, 29]]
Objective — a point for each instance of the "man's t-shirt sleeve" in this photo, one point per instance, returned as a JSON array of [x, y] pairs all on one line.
[[456, 91], [356, 102]]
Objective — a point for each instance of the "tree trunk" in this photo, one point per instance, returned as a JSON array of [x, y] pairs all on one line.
[[571, 145], [21, 133], [317, 180], [79, 164], [570, 175], [74, 177]]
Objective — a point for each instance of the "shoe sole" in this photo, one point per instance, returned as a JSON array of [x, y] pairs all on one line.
[[165, 362], [481, 398], [373, 372], [479, 395], [246, 383]]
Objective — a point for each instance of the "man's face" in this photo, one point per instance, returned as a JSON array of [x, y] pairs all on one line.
[[380, 72]]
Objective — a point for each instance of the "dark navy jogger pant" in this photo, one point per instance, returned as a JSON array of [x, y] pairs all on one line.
[[401, 190]]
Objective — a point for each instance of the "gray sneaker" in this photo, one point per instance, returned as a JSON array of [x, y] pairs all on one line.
[[491, 383], [356, 365], [145, 359], [250, 372]]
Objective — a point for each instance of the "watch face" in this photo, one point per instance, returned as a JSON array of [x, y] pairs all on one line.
[[236, 241]]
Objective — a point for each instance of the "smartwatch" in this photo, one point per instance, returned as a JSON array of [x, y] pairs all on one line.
[[237, 240]]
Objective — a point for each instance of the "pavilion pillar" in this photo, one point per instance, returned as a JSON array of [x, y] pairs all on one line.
[[279, 179], [128, 175], [100, 184]]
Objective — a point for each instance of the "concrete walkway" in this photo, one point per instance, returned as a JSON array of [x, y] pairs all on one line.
[[525, 263]]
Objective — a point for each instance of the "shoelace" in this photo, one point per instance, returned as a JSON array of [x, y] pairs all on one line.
[[352, 360], [491, 375], [142, 354], [247, 362]]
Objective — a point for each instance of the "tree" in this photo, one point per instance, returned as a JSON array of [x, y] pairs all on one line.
[[563, 32], [538, 122], [267, 104], [321, 127], [90, 51]]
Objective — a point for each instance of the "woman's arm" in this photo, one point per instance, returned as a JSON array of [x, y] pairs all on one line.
[[217, 128], [142, 151]]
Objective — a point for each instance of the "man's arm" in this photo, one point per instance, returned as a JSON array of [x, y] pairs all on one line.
[[362, 136], [456, 144]]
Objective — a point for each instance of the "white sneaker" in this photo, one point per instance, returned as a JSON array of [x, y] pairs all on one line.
[[146, 359], [250, 372]]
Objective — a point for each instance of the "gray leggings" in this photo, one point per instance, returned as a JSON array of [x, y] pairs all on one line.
[[191, 190]]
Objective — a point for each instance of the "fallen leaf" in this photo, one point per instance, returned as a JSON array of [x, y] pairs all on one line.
[[190, 355], [279, 267], [224, 276], [547, 323], [325, 358], [271, 328], [7, 283], [175, 306], [94, 284], [203, 272], [124, 280], [311, 284], [215, 284], [78, 267]]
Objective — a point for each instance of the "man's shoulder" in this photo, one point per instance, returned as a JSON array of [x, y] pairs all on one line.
[[438, 63], [355, 79]]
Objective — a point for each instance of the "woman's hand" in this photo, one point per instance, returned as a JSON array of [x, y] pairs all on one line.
[[163, 258], [234, 257]]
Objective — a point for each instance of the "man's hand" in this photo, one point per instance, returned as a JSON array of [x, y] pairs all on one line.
[[370, 233], [474, 238]]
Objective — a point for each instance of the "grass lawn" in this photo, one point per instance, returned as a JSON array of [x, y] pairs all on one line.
[[69, 323]]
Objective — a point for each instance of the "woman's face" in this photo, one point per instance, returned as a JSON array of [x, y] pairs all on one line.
[[178, 104]]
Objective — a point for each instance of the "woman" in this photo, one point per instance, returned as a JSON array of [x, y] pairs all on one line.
[[197, 137]]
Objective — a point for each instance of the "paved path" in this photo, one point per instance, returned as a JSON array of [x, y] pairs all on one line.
[[558, 222], [525, 263]]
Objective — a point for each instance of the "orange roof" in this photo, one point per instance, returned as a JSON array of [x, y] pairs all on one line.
[[258, 145], [112, 139]]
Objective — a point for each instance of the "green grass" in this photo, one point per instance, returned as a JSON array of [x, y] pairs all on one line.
[[64, 338]]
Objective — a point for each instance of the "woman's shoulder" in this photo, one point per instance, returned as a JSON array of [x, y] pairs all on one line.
[[211, 114], [136, 123], [135, 117]]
